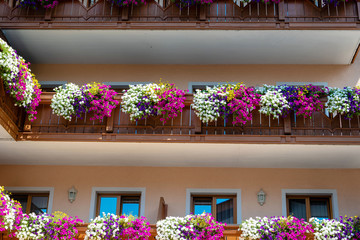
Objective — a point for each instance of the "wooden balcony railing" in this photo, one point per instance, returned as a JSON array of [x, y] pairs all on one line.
[[11, 117], [163, 14], [230, 233], [320, 129]]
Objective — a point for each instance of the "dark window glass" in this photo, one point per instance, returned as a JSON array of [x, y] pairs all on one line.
[[297, 208], [319, 208], [23, 200], [33, 202], [225, 210], [39, 205]]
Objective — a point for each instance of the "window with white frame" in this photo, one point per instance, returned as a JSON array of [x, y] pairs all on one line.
[[36, 200], [223, 204], [118, 201], [308, 203]]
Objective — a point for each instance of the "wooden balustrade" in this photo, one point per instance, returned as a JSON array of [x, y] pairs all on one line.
[[230, 233], [11, 117], [221, 14], [320, 128]]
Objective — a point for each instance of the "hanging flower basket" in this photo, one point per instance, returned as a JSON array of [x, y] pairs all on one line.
[[19, 82], [152, 100], [96, 98], [229, 100]]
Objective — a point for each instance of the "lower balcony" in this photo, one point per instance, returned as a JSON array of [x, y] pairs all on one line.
[[230, 233]]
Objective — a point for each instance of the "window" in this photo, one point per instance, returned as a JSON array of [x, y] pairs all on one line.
[[221, 207], [307, 203], [306, 207], [37, 203], [117, 200], [223, 204], [119, 204]]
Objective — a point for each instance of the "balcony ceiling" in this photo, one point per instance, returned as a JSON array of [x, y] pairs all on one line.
[[185, 46], [179, 155]]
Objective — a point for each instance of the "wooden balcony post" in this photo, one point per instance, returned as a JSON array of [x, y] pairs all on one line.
[[358, 8], [281, 8], [287, 125], [125, 13], [27, 125], [110, 124], [48, 14], [11, 5], [202, 16]]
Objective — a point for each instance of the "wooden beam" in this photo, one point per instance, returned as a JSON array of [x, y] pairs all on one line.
[[356, 53]]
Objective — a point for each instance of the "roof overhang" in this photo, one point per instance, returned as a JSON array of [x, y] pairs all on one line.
[[185, 46]]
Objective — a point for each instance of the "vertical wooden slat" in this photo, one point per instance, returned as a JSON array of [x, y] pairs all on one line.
[[281, 9]]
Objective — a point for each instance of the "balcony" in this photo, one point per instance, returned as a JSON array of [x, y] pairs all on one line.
[[222, 14], [186, 128]]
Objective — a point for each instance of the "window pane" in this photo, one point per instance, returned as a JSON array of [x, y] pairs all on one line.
[[108, 205], [22, 199], [202, 205], [39, 205], [319, 208], [130, 206], [297, 208], [225, 210]]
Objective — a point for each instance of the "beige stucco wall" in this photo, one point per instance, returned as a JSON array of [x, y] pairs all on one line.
[[171, 183], [251, 75]]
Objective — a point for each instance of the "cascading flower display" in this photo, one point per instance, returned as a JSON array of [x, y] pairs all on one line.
[[273, 103], [143, 101], [345, 228], [225, 100], [344, 101], [190, 227], [96, 98], [58, 226], [111, 226], [63, 102], [19, 81], [36, 3], [71, 100], [303, 100], [123, 3], [10, 213], [290, 228]]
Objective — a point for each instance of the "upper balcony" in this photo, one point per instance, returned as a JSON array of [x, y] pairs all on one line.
[[164, 14], [186, 128]]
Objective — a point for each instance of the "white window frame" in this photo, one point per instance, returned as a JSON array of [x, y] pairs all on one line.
[[213, 191], [49, 190], [124, 83], [116, 190], [191, 84], [47, 83], [315, 192]]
